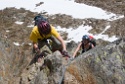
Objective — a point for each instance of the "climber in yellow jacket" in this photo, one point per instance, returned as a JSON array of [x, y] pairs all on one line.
[[44, 31]]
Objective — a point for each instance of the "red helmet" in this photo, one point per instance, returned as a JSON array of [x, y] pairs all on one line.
[[44, 27]]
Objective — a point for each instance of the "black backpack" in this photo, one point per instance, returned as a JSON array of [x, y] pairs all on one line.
[[39, 18], [93, 41]]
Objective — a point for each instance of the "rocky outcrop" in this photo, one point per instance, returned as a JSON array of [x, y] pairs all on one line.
[[48, 71], [12, 61], [104, 65], [101, 65], [118, 6]]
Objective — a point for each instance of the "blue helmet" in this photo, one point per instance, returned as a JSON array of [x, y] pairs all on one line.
[[85, 37]]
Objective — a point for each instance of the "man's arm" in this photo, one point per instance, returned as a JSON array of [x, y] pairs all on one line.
[[62, 42], [77, 49]]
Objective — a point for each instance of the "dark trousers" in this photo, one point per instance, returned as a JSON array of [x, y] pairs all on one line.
[[52, 42]]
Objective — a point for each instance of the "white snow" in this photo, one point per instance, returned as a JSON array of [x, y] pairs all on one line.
[[7, 31], [17, 22], [76, 35], [16, 43], [76, 10], [68, 7]]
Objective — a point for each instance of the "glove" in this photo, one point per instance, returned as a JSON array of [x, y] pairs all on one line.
[[37, 50], [65, 53]]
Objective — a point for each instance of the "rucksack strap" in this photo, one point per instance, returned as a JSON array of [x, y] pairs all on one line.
[[83, 48]]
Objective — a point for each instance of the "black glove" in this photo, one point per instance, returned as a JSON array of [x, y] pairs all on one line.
[[37, 50], [65, 53]]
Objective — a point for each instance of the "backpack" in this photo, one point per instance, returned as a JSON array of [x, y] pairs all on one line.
[[39, 18], [92, 40]]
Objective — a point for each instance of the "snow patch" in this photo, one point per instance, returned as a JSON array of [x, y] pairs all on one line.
[[17, 22], [16, 43]]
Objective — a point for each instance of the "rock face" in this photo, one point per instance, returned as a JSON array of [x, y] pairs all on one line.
[[48, 71], [101, 65], [116, 6], [11, 61]]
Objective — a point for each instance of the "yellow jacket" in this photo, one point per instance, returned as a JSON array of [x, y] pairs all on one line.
[[35, 35]]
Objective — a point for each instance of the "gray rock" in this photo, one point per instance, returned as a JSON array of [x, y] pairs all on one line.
[[101, 65]]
